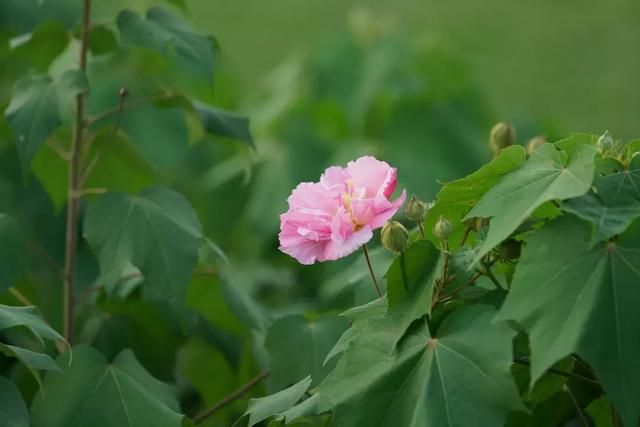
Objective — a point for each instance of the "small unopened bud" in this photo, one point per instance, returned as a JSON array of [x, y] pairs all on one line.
[[534, 144], [415, 209], [394, 236], [510, 250], [123, 92], [502, 135], [442, 229], [605, 142]]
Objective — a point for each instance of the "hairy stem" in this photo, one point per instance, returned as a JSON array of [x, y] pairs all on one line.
[[373, 276], [232, 397], [74, 187]]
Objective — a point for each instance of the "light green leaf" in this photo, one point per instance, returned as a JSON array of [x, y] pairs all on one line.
[[158, 232], [28, 317], [93, 392], [223, 123], [574, 298], [459, 378], [549, 174], [613, 206], [310, 341], [13, 410], [265, 407], [13, 253], [36, 107], [456, 198], [165, 33]]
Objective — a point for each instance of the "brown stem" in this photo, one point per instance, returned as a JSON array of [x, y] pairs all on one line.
[[373, 276], [74, 186], [134, 103], [227, 400], [421, 228], [465, 236]]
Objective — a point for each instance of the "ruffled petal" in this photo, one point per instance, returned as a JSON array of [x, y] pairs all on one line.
[[377, 177], [338, 249]]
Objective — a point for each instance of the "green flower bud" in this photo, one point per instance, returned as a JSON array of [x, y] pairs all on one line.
[[510, 250], [605, 142], [534, 144], [394, 236], [415, 209], [442, 229], [502, 135]]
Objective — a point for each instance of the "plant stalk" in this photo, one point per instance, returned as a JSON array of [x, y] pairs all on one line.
[[373, 276], [74, 187]]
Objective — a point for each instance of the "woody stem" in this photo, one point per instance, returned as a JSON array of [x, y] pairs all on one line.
[[373, 276]]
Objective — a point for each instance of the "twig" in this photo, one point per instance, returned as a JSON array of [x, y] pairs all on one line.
[[583, 418], [135, 103], [373, 276], [74, 185], [227, 400], [465, 236], [122, 97], [487, 272], [20, 296]]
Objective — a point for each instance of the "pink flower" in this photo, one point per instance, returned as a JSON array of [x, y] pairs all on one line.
[[332, 218]]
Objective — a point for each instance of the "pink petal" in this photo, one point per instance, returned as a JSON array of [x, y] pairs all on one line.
[[334, 180], [337, 249], [313, 196], [377, 177], [384, 215]]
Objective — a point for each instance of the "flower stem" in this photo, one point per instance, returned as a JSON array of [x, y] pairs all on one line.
[[421, 228], [373, 276]]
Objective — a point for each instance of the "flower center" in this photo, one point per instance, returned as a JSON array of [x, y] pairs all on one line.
[[347, 197]]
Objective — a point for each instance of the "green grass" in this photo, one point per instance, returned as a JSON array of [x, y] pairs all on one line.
[[574, 61]]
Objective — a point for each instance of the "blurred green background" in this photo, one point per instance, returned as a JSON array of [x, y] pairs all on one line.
[[416, 83]]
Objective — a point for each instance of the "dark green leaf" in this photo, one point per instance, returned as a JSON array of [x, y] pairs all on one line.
[[223, 123], [13, 410], [158, 232], [91, 391], [265, 407], [101, 40], [34, 361], [574, 298], [28, 317], [12, 253], [549, 174], [310, 341], [459, 378], [36, 108], [165, 33]]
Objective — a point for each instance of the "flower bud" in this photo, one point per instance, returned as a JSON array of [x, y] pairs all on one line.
[[415, 209], [442, 229], [534, 144], [502, 135], [394, 236], [605, 142], [510, 250]]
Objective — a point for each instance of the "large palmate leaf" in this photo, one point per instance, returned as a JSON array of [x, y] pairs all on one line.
[[13, 410], [575, 298], [12, 253], [165, 33], [549, 174], [36, 108], [265, 407], [158, 232], [458, 378], [456, 197], [91, 391], [310, 341], [614, 205]]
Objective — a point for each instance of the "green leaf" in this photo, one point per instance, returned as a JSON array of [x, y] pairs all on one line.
[[310, 341], [410, 282], [574, 298], [13, 410], [101, 40], [13, 253], [459, 378], [613, 206], [549, 174], [265, 407], [456, 197], [223, 123], [34, 361], [36, 108], [28, 317], [158, 232], [92, 391], [165, 33]]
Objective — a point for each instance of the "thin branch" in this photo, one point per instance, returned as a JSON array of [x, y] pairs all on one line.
[[230, 398], [465, 236], [583, 418], [74, 186], [122, 97], [487, 272], [135, 103], [373, 276], [20, 296]]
